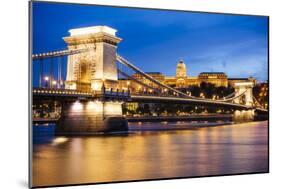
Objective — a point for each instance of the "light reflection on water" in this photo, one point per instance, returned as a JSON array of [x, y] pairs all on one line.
[[229, 149]]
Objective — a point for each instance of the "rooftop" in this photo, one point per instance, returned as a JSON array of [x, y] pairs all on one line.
[[212, 73], [153, 73], [92, 30], [238, 78], [181, 61]]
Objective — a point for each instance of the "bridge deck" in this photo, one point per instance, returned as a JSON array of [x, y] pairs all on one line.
[[126, 96], [74, 94]]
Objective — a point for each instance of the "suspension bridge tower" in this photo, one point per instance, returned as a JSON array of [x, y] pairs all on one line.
[[244, 94], [244, 89], [91, 69]]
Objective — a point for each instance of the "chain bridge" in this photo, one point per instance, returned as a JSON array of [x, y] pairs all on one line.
[[84, 78]]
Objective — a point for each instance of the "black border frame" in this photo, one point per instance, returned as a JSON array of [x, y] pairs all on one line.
[[30, 146]]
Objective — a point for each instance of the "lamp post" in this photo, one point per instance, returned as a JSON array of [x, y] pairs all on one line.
[[103, 86], [54, 83], [46, 78], [139, 88], [128, 85], [61, 84]]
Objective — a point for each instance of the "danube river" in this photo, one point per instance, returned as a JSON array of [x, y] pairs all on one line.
[[145, 153]]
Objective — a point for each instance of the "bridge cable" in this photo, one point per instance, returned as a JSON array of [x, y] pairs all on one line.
[[134, 79], [60, 53], [41, 72]]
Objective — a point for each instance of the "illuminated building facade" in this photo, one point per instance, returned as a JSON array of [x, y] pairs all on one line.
[[156, 75], [216, 78]]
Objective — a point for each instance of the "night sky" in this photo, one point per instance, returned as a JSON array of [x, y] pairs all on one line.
[[155, 40]]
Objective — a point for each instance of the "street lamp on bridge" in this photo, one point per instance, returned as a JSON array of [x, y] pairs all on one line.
[[54, 83], [128, 85], [46, 78]]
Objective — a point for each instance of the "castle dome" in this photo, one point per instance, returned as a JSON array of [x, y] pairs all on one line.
[[181, 69]]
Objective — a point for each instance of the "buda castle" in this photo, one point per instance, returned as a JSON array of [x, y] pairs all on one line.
[[181, 79]]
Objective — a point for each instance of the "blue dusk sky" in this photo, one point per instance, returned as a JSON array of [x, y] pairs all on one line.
[[155, 40]]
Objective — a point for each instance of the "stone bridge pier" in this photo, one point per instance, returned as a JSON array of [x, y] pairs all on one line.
[[244, 115], [86, 117]]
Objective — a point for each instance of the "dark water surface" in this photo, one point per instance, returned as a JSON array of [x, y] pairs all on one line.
[[227, 149]]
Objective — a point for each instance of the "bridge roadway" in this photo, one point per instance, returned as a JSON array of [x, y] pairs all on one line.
[[64, 94]]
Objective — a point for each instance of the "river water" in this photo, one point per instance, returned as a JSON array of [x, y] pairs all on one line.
[[146, 153]]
